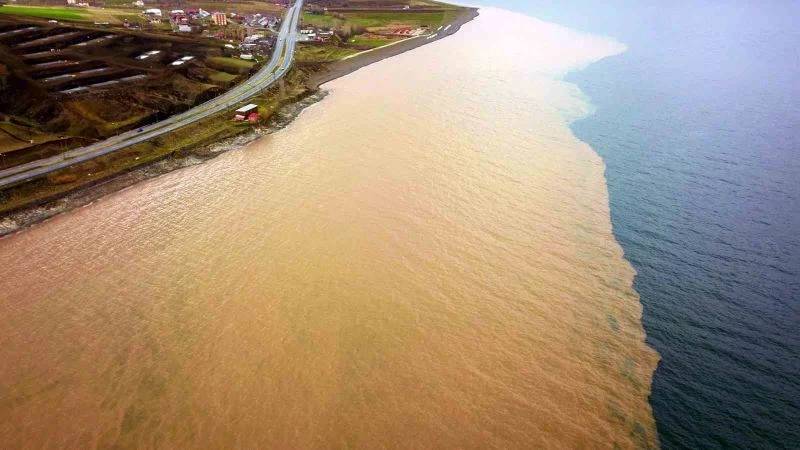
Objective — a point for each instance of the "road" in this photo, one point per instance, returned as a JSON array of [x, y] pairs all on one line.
[[276, 67]]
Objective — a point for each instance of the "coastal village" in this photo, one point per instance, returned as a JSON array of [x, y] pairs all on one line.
[[75, 72]]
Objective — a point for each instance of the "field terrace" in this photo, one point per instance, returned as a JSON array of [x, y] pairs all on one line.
[[65, 85]]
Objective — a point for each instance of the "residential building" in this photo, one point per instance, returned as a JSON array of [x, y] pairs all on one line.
[[219, 18]]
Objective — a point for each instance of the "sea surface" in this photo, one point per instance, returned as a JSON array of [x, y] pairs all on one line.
[[698, 123], [425, 259]]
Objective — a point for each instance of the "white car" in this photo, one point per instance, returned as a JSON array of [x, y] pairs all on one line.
[[52, 21]]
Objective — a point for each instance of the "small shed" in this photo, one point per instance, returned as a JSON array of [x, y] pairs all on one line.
[[246, 111]]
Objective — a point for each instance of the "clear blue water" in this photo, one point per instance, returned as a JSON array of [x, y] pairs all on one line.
[[699, 126]]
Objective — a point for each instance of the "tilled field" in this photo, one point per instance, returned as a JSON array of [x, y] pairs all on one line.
[[60, 82]]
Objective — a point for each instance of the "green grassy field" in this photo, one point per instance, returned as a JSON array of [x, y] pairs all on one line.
[[322, 53], [231, 65], [366, 20], [387, 19], [321, 21], [131, 17], [44, 12], [118, 4], [222, 77], [361, 41], [371, 3]]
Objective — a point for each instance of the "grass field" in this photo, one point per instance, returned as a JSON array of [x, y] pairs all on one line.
[[222, 77], [320, 53], [372, 3], [363, 41], [44, 12], [375, 21], [393, 19], [118, 4], [111, 15], [232, 65], [321, 21]]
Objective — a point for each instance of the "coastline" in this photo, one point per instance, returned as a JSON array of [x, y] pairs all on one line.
[[503, 223], [38, 212], [350, 65]]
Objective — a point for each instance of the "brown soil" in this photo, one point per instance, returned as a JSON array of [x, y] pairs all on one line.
[[31, 93]]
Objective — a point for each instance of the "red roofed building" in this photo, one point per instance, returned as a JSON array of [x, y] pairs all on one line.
[[219, 18]]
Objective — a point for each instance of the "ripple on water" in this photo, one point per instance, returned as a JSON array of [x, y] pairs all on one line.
[[424, 259]]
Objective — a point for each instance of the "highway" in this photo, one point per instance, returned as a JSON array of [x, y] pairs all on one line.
[[276, 67]]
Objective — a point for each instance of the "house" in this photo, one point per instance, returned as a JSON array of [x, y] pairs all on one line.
[[152, 15], [146, 55], [245, 112], [307, 35], [246, 56], [184, 29], [178, 18], [253, 38], [197, 14], [138, 4], [219, 18], [260, 21]]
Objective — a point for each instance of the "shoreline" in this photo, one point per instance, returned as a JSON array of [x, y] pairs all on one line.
[[27, 216], [344, 67]]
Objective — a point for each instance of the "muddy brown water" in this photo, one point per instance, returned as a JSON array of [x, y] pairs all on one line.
[[422, 260]]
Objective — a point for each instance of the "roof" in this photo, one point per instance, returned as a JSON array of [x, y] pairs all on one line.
[[247, 108]]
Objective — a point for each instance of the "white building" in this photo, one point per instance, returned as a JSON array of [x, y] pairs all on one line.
[[307, 35]]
